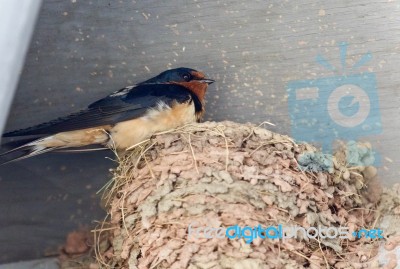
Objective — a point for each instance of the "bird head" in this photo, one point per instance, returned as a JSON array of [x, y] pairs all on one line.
[[180, 75], [193, 80]]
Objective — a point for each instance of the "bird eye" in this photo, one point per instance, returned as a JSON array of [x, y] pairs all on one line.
[[186, 77]]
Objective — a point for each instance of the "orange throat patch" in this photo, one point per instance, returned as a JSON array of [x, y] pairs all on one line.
[[197, 88]]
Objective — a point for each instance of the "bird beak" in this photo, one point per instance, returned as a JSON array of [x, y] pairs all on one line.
[[207, 80]]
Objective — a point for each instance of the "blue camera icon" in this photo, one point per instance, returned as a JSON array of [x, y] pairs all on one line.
[[342, 107]]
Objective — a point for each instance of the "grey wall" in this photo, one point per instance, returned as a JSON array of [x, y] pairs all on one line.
[[83, 50]]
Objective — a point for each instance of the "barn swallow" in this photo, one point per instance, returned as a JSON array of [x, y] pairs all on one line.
[[124, 118]]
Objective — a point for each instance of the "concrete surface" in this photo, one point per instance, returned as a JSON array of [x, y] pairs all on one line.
[[49, 263], [83, 50]]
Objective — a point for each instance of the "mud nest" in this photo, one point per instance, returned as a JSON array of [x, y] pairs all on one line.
[[224, 174]]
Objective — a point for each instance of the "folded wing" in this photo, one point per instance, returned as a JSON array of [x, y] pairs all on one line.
[[123, 105]]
